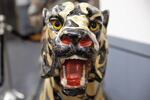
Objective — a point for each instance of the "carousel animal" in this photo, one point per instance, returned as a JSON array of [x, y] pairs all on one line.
[[74, 52]]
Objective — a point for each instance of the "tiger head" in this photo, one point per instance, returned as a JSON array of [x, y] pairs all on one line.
[[75, 45]]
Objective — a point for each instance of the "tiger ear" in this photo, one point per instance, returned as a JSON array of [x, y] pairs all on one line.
[[106, 17], [44, 14]]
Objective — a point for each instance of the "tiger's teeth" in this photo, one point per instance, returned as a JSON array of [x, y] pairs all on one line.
[[64, 80], [76, 57], [62, 60], [82, 82]]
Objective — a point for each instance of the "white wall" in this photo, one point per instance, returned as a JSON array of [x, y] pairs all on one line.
[[129, 19]]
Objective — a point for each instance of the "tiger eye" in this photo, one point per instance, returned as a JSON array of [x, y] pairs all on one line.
[[56, 23], [94, 26]]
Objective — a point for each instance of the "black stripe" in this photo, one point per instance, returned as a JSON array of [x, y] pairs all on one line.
[[76, 11], [71, 23], [58, 8]]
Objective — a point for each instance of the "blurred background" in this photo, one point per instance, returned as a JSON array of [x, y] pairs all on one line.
[[128, 68]]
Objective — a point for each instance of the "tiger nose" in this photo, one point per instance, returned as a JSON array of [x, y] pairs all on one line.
[[76, 39]]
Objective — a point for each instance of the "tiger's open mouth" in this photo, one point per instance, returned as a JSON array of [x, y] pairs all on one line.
[[74, 72]]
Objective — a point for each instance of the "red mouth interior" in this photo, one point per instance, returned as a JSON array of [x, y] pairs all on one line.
[[74, 71]]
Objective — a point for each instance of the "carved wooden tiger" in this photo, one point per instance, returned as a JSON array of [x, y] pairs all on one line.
[[74, 52]]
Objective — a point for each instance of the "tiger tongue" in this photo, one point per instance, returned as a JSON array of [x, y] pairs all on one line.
[[74, 71]]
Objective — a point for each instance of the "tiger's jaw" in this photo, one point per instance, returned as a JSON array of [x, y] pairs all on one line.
[[74, 74], [75, 46]]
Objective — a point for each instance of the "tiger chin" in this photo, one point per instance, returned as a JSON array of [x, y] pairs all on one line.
[[74, 52]]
